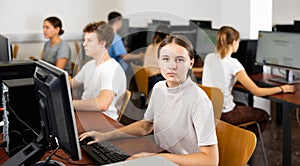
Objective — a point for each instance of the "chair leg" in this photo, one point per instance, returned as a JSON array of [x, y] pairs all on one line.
[[262, 144]]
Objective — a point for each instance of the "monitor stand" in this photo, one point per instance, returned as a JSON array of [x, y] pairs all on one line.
[[289, 79]]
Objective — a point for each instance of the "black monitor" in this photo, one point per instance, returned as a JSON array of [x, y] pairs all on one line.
[[279, 49], [58, 125], [246, 54], [284, 28], [297, 25], [5, 49], [136, 40], [201, 23]]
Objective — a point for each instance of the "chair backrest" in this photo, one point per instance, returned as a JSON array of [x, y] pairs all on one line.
[[236, 145], [141, 78], [217, 98], [77, 47], [15, 51], [126, 100]]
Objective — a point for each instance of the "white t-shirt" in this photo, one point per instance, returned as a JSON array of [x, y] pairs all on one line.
[[183, 117], [221, 73], [109, 75]]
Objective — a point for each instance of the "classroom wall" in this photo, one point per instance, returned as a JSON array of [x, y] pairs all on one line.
[[19, 17], [285, 11]]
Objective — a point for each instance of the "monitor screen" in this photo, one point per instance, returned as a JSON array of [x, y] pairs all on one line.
[[206, 39], [278, 49], [58, 125], [5, 50]]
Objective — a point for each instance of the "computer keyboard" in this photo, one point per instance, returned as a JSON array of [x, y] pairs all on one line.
[[263, 84], [103, 152]]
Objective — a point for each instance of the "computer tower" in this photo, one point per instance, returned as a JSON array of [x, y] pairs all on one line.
[[14, 70], [21, 117]]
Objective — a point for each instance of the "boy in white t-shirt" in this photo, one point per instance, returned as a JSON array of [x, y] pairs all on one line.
[[102, 78]]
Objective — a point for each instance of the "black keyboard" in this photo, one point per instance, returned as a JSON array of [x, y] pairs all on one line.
[[263, 84], [103, 152]]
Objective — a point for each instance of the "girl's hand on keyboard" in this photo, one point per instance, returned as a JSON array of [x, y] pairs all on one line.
[[97, 136]]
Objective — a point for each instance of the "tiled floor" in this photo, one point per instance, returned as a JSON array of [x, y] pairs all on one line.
[[272, 138]]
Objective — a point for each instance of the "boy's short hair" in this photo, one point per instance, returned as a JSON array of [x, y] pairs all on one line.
[[103, 30], [113, 16]]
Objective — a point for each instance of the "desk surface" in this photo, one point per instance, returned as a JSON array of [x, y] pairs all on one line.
[[290, 98], [97, 121]]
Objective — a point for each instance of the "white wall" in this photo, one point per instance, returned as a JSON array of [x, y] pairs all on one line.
[[19, 17], [286, 11]]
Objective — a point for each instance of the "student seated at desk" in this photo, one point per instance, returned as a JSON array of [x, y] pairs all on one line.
[[56, 51], [179, 112], [150, 57], [103, 78], [117, 49], [222, 71]]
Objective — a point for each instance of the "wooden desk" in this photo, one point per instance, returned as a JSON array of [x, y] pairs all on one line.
[[286, 101], [97, 121]]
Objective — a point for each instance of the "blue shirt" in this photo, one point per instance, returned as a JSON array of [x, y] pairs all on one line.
[[117, 49]]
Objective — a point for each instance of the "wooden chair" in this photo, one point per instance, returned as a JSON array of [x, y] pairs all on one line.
[[15, 51], [236, 145], [126, 100], [141, 78], [217, 98]]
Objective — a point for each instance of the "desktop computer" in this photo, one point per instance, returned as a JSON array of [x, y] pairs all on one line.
[[21, 117]]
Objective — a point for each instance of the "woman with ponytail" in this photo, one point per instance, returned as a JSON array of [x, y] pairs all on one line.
[[222, 71]]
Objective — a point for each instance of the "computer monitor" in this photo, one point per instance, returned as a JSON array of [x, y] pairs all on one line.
[[188, 31], [206, 40], [136, 39], [201, 23], [279, 49], [246, 54], [58, 125], [152, 28], [5, 49]]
